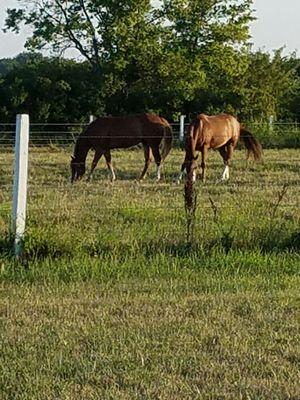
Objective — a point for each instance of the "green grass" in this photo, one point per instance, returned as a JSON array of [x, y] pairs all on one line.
[[111, 302], [155, 340]]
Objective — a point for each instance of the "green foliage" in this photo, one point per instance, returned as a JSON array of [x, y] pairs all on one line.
[[145, 55], [49, 90], [169, 57], [269, 85]]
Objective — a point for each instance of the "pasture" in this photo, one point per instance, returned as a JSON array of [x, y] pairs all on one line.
[[112, 302]]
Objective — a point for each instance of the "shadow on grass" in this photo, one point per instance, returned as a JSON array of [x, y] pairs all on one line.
[[292, 242], [274, 242], [6, 246], [147, 249], [122, 174], [42, 249]]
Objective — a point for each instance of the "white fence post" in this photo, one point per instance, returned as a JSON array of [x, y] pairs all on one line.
[[271, 122], [181, 131], [20, 181]]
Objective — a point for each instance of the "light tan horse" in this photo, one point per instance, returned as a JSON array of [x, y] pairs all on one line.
[[221, 132]]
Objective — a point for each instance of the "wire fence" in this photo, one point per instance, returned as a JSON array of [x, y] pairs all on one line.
[[62, 136], [263, 197], [279, 134]]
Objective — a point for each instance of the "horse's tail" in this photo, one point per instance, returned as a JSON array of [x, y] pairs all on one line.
[[167, 140], [251, 143]]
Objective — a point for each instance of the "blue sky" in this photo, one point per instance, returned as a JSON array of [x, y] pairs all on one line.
[[277, 25]]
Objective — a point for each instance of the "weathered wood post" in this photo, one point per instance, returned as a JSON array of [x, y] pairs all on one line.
[[20, 182]]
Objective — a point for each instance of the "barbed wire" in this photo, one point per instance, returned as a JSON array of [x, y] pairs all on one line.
[[43, 139], [171, 182], [186, 123], [143, 208], [33, 134]]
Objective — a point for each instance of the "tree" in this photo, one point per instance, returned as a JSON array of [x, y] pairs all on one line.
[[50, 90], [144, 54], [268, 86]]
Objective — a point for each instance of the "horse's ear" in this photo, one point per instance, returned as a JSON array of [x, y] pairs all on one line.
[[72, 157]]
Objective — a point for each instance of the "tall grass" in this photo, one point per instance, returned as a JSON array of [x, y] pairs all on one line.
[[257, 211], [111, 301]]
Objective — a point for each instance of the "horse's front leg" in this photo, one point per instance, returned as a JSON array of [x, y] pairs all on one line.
[[147, 153], [107, 156], [204, 157], [97, 157]]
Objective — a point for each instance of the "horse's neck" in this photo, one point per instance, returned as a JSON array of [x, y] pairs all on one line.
[[192, 142], [81, 148], [189, 148]]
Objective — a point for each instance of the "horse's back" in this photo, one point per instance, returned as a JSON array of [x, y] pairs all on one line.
[[220, 121], [217, 130], [115, 132], [124, 132]]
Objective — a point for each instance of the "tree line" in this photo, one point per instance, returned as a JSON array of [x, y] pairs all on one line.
[[169, 57]]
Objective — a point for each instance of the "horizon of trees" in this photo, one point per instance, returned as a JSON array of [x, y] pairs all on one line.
[[55, 89], [178, 57]]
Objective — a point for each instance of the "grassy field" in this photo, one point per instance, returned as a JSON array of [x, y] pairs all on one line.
[[112, 302]]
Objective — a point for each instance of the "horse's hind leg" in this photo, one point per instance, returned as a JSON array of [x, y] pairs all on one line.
[[96, 158], [147, 153], [107, 156], [226, 153], [157, 158]]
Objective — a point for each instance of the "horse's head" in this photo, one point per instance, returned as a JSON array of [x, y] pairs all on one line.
[[77, 169]]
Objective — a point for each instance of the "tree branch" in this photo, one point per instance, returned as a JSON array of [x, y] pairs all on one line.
[[95, 41], [72, 36]]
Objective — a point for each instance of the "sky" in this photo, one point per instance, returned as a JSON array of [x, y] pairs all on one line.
[[277, 25]]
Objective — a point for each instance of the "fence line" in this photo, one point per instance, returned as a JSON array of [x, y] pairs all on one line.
[[246, 188], [154, 207], [44, 139], [167, 165], [65, 134], [46, 134]]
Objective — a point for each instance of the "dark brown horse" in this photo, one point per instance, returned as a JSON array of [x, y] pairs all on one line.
[[220, 132], [108, 133]]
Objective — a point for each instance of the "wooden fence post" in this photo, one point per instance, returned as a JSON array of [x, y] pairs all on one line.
[[20, 182]]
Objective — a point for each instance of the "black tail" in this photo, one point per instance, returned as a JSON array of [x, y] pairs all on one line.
[[252, 144]]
